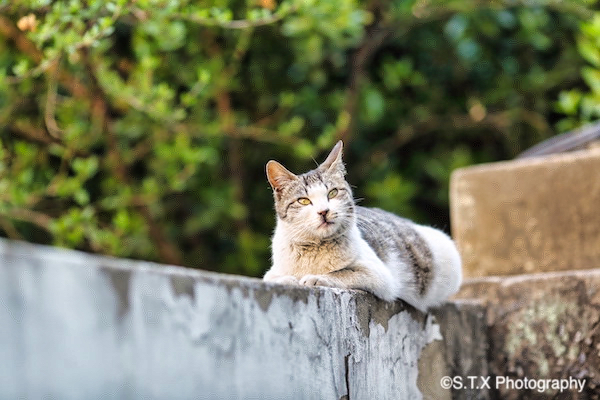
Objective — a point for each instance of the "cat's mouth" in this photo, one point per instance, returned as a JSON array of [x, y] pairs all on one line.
[[325, 223]]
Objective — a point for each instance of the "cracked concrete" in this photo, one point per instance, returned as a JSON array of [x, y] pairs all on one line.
[[76, 326]]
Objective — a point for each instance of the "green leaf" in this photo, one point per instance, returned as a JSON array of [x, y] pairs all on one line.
[[122, 220], [304, 149], [456, 27], [21, 68], [591, 76], [568, 101], [589, 50], [82, 197], [393, 193], [85, 168], [374, 105]]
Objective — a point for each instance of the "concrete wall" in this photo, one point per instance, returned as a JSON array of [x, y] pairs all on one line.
[[76, 326]]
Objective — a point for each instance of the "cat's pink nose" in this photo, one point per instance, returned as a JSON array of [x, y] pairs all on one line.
[[323, 213]]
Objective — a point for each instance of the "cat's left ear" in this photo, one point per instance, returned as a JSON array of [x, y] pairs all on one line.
[[278, 175], [334, 162]]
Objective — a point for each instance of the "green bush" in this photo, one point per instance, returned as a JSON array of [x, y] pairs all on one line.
[[141, 128]]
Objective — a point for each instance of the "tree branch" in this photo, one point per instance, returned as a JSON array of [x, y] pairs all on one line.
[[227, 119], [237, 24], [27, 47], [51, 98], [8, 227], [31, 133], [167, 251], [37, 218], [374, 40], [235, 162], [499, 120], [264, 135]]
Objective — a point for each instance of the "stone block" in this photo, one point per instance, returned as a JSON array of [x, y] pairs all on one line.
[[529, 215], [542, 327]]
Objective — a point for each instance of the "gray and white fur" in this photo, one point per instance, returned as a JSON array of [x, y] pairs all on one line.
[[322, 238]]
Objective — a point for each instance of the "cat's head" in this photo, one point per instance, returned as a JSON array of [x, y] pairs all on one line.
[[317, 204]]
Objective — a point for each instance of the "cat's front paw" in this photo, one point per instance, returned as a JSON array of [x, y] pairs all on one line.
[[317, 280]]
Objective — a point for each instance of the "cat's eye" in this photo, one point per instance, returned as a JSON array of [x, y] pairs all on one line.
[[304, 201], [332, 193]]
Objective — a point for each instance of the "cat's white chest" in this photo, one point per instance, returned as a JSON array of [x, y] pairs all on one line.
[[297, 260]]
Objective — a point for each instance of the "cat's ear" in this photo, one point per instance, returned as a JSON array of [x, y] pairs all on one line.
[[334, 161], [278, 175]]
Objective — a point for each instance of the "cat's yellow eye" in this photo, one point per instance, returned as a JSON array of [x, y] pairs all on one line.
[[304, 201], [332, 193]]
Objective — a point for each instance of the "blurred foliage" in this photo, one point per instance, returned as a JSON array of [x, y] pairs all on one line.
[[581, 103], [141, 128]]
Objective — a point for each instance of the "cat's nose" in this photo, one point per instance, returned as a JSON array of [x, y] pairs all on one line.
[[323, 213]]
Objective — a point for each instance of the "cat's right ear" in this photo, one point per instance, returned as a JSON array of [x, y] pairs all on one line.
[[278, 175], [334, 160]]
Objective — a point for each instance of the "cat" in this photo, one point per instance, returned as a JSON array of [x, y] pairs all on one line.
[[322, 238]]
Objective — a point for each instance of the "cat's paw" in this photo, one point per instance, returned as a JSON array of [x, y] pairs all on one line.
[[285, 280], [317, 280]]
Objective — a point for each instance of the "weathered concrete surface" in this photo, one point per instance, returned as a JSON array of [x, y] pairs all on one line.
[[542, 326], [463, 352], [530, 215], [75, 326]]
